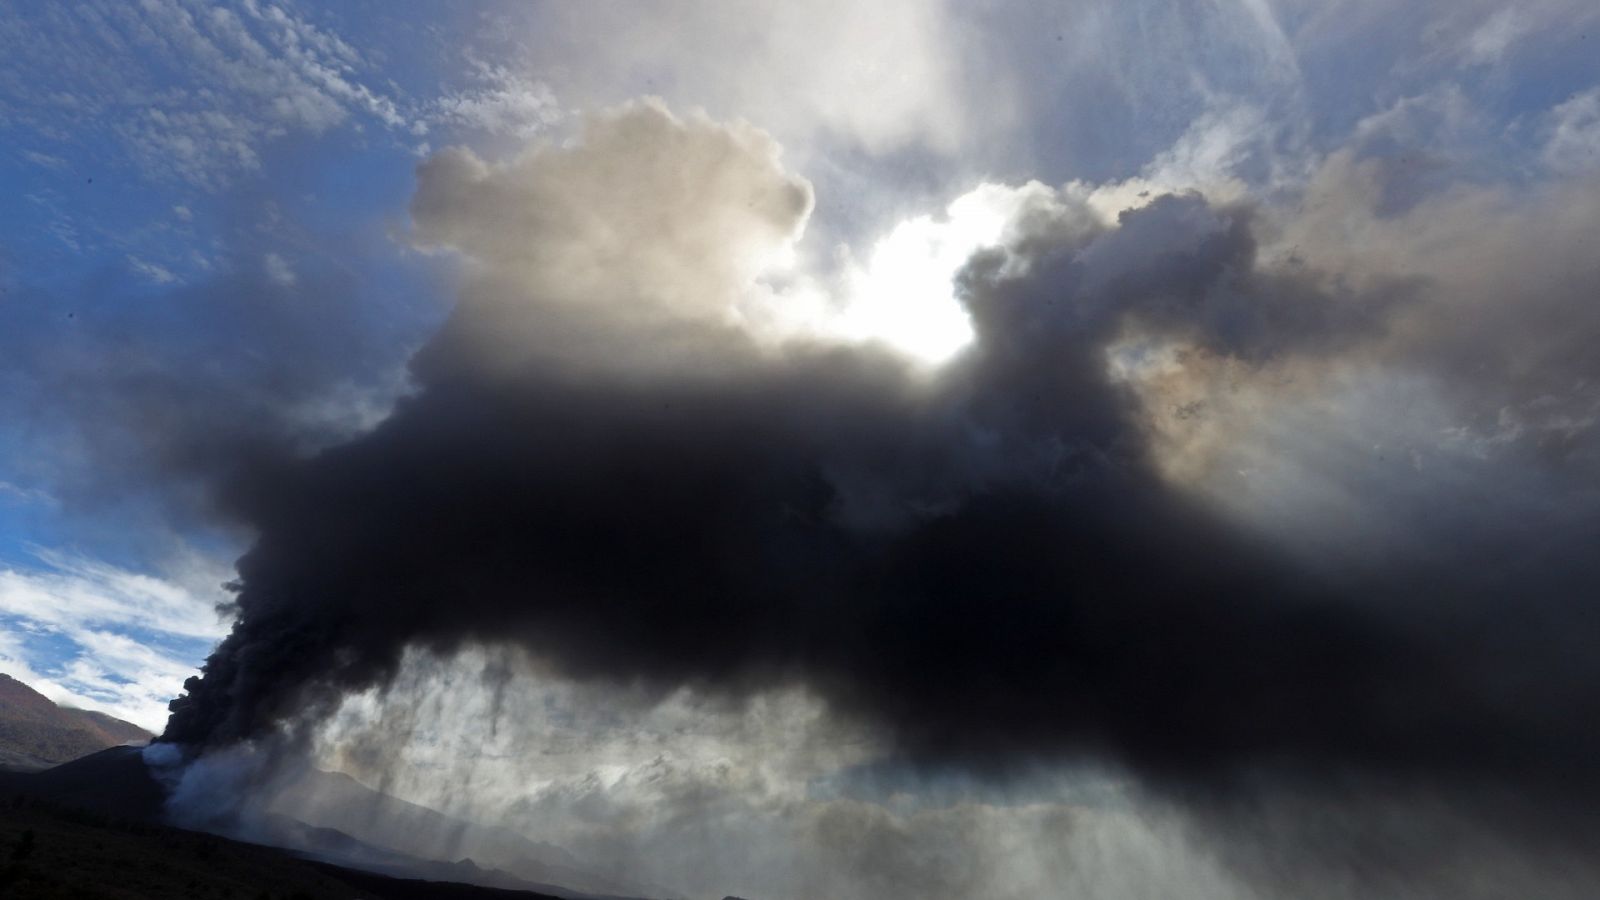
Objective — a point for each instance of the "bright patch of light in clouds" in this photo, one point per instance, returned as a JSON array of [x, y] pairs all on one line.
[[903, 292]]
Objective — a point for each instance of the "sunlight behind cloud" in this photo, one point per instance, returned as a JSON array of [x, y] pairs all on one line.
[[905, 295]]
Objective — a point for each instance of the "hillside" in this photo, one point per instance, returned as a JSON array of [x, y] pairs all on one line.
[[35, 733], [47, 851], [114, 787]]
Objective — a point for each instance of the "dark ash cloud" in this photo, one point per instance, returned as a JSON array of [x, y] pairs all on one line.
[[989, 563]]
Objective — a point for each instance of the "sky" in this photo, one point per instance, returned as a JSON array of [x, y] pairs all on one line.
[[918, 448]]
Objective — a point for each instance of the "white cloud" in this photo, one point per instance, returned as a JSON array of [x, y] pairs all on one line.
[[658, 219], [771, 796], [151, 271], [1469, 31], [68, 592], [1207, 156], [119, 676], [44, 159], [16, 493], [350, 408], [1489, 41], [99, 612], [1574, 143], [61, 225], [278, 270], [883, 76], [192, 92], [505, 103]]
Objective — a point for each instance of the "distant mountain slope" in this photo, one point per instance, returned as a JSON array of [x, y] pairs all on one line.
[[35, 733], [111, 728], [337, 801]]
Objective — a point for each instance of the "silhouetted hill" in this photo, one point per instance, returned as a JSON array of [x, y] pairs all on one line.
[[47, 851], [114, 782], [35, 733]]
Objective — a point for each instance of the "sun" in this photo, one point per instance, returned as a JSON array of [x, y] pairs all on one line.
[[904, 294]]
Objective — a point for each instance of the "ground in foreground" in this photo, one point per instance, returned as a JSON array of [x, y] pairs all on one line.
[[47, 852]]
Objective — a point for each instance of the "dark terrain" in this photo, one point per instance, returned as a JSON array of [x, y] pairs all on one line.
[[52, 851], [96, 833]]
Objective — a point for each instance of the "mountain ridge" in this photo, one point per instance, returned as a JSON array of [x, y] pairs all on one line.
[[36, 732]]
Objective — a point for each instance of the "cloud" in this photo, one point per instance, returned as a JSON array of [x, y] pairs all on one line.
[[692, 795], [883, 78], [503, 103], [151, 272], [18, 494], [1486, 34], [889, 477], [128, 418], [119, 641], [1037, 553], [658, 224], [44, 159], [774, 796], [278, 270], [247, 74], [1574, 143], [69, 591]]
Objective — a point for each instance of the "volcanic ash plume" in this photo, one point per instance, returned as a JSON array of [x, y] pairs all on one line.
[[606, 464]]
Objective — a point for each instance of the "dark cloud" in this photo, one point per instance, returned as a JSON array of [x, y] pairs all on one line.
[[987, 563], [122, 401]]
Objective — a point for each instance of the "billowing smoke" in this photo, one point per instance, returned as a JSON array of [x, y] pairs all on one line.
[[1033, 553]]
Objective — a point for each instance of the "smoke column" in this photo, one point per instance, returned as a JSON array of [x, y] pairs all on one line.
[[991, 562]]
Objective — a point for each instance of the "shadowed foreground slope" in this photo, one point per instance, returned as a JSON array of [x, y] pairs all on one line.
[[105, 810], [50, 851]]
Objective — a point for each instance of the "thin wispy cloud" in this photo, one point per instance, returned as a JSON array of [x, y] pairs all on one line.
[[251, 73]]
